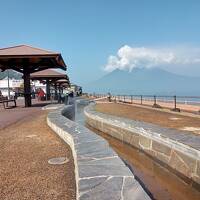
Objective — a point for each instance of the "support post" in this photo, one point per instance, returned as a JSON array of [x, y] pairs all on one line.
[[27, 88], [155, 100], [175, 105], [155, 105], [175, 102], [47, 90], [56, 92], [131, 99], [141, 99], [8, 84]]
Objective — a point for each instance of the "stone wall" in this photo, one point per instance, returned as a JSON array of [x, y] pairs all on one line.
[[100, 173], [177, 150]]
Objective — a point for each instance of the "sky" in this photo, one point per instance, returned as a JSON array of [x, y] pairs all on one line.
[[98, 36]]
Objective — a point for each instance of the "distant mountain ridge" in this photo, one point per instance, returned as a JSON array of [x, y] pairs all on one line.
[[145, 81], [12, 74]]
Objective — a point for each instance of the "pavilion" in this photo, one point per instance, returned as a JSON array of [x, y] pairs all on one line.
[[26, 60], [49, 77], [62, 83]]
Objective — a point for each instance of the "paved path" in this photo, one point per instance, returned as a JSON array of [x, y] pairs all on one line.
[[26, 145], [12, 115]]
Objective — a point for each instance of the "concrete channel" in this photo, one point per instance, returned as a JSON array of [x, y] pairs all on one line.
[[158, 181]]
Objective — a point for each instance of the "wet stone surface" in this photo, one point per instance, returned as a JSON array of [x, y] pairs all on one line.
[[102, 175]]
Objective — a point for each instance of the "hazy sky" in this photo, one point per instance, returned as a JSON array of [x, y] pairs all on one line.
[[96, 36]]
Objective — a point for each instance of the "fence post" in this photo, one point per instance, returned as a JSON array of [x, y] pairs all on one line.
[[124, 98], [141, 99], [131, 99], [154, 99], [175, 102]]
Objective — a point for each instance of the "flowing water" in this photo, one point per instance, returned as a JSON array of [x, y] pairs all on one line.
[[159, 182]]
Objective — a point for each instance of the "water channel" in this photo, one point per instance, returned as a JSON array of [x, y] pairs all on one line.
[[158, 181]]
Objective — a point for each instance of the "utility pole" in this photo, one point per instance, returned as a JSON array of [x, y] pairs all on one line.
[[8, 84]]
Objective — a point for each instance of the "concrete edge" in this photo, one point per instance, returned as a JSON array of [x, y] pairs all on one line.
[[69, 131], [113, 125], [66, 137]]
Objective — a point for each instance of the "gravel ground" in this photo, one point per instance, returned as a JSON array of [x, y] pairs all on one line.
[[152, 116], [12, 115], [25, 148]]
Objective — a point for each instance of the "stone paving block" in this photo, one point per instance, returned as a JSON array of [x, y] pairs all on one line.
[[111, 189], [177, 163], [132, 190], [134, 141], [190, 162], [127, 135], [160, 156], [85, 185], [161, 148], [110, 161], [98, 149], [144, 142], [103, 170]]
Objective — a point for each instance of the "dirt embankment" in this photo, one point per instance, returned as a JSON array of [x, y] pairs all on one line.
[[163, 119]]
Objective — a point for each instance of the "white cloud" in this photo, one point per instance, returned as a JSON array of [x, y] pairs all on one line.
[[128, 57]]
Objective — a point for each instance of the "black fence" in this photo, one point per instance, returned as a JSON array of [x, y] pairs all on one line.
[[175, 103]]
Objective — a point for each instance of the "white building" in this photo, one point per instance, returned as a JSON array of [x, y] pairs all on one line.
[[13, 84]]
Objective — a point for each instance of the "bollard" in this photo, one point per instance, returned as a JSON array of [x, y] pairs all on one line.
[[154, 100], [155, 105], [175, 102], [175, 106]]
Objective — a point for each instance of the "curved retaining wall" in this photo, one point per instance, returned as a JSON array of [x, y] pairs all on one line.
[[100, 173], [177, 150]]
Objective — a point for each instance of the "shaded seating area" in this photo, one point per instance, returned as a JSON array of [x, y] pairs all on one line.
[[26, 60], [5, 101], [61, 84], [50, 77]]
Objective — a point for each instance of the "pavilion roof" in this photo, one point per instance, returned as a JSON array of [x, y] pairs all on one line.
[[35, 59], [48, 74], [63, 80]]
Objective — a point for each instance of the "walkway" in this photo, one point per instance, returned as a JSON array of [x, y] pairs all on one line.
[[26, 145], [12, 115]]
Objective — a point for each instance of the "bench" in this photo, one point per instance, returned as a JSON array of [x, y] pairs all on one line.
[[5, 100]]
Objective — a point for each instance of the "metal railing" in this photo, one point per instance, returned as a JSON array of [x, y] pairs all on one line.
[[175, 103]]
